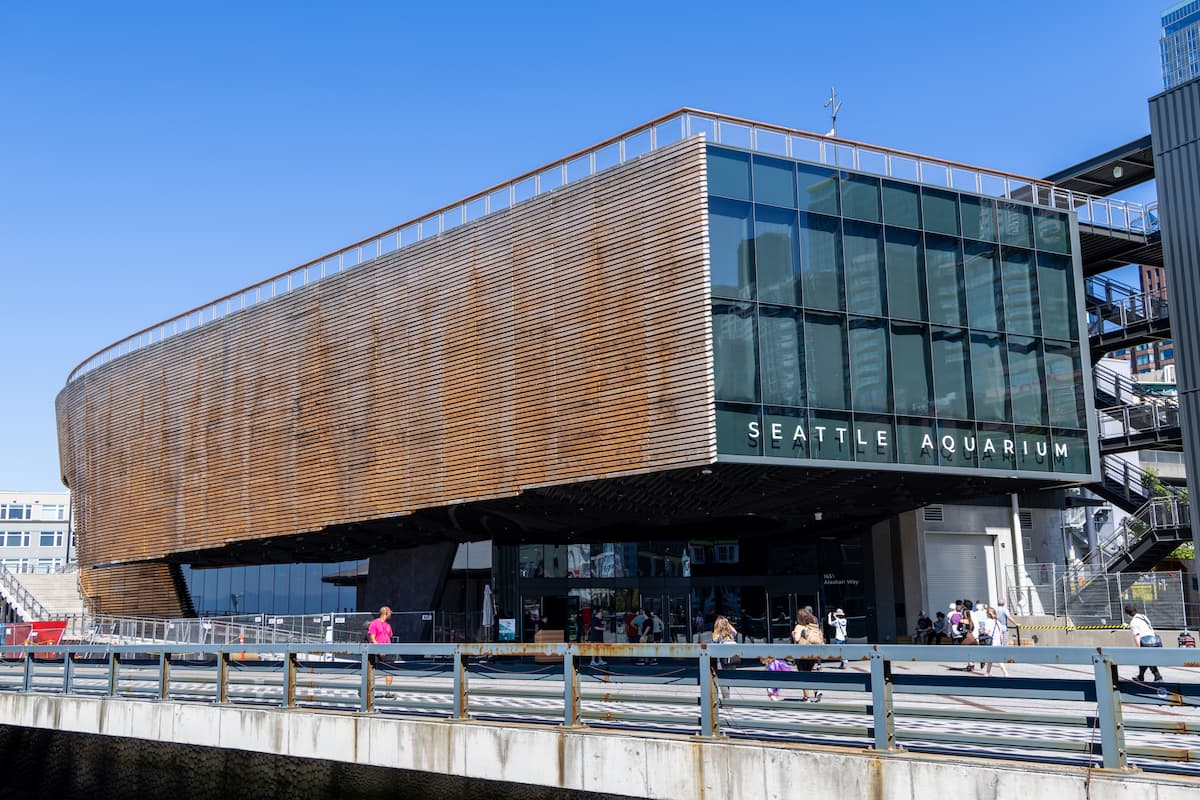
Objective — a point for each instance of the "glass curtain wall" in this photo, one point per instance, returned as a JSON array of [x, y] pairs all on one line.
[[858, 318]]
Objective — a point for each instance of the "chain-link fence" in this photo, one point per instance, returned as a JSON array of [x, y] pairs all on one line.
[[1088, 596]]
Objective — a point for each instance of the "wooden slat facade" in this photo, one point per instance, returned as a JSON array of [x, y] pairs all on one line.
[[565, 339]]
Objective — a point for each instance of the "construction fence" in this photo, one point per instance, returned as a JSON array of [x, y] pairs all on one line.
[[1089, 597]]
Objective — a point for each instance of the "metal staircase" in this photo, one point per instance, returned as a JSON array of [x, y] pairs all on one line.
[[19, 600], [1120, 316], [1132, 418], [1145, 537]]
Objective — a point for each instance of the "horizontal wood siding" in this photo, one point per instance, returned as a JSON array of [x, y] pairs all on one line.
[[564, 340]]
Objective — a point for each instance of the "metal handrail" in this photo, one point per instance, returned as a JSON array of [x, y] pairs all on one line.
[[1172, 511], [659, 132], [1124, 311], [268, 676], [1137, 419], [1125, 389], [29, 604], [1138, 483]]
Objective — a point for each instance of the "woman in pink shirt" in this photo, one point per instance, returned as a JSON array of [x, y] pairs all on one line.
[[380, 632]]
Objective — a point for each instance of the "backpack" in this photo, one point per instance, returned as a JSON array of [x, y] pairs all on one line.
[[808, 634]]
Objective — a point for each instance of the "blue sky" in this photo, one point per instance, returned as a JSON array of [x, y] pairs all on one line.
[[154, 156]]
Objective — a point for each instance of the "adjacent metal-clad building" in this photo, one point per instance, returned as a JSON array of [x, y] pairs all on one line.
[[1175, 131]]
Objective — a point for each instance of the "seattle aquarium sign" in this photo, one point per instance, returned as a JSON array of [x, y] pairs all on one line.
[[838, 436], [880, 440]]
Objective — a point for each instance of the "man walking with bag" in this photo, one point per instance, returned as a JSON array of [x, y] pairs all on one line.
[[1143, 636]]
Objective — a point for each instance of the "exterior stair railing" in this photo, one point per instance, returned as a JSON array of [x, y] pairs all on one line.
[[1172, 512], [1129, 481], [24, 603]]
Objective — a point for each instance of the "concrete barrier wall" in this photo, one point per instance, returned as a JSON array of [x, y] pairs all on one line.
[[622, 763]]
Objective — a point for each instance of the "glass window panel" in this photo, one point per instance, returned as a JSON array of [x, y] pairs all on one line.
[[731, 250], [874, 439], [1015, 224], [1071, 451], [916, 441], [1052, 231], [735, 365], [777, 255], [869, 365], [785, 432], [951, 373], [911, 372], [905, 274], [774, 182], [997, 448], [860, 197], [739, 433], [729, 173], [866, 285], [1064, 385], [978, 218], [987, 377], [901, 205], [944, 270], [825, 337], [829, 436], [1033, 449], [817, 189], [985, 290], [781, 338], [1056, 297], [1020, 291], [957, 444], [1025, 381], [940, 211], [821, 261]]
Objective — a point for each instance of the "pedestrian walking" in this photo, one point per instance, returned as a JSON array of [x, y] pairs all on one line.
[[807, 631], [969, 636], [992, 634], [837, 621], [1143, 636], [380, 632], [596, 636], [777, 665], [723, 633]]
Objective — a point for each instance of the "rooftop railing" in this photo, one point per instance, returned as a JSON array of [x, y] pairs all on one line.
[[658, 133]]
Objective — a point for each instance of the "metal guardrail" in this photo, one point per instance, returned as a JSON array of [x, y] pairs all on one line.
[[1123, 312], [16, 593], [1132, 422], [718, 128], [1136, 485], [1170, 512], [693, 695]]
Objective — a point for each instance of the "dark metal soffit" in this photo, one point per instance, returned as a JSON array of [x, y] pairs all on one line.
[[1095, 175]]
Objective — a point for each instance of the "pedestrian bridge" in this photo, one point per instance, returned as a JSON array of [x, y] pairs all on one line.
[[899, 721]]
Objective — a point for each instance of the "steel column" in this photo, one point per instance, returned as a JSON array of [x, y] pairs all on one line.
[[68, 672], [289, 680], [222, 694], [881, 703], [710, 719], [114, 665], [461, 692], [27, 678], [164, 676], [570, 690], [1108, 709], [366, 690]]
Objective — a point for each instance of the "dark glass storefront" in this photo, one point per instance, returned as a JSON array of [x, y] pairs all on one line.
[[758, 582]]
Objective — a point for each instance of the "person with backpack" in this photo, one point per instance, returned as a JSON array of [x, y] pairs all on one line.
[[956, 631], [1143, 636], [807, 631]]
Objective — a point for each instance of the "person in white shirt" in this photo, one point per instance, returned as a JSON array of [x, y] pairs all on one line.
[[837, 621], [1142, 631]]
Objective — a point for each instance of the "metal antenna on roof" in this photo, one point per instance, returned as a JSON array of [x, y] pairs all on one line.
[[836, 107]]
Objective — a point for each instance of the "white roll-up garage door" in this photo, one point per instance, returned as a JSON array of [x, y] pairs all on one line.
[[957, 566]]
